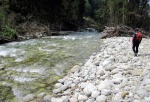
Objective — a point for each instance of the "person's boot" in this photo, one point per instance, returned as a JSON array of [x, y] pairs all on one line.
[[135, 54]]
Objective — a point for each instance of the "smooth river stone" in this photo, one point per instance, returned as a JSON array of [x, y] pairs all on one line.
[[95, 94], [82, 98], [104, 85], [101, 98], [55, 91], [142, 93], [56, 99], [89, 89], [58, 85]]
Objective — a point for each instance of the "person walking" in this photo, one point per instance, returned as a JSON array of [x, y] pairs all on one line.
[[136, 40]]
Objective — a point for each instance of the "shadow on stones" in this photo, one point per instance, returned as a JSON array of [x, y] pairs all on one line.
[[144, 54]]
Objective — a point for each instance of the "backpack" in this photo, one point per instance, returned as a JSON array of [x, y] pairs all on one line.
[[138, 36]]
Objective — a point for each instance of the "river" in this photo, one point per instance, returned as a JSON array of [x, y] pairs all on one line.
[[33, 66]]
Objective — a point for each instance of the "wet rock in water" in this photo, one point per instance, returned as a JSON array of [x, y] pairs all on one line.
[[29, 97], [76, 68], [40, 96]]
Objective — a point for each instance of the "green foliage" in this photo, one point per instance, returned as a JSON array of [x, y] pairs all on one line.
[[6, 94], [133, 13], [8, 32], [68, 14], [88, 8], [5, 29]]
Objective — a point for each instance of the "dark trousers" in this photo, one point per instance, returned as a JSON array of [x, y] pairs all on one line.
[[135, 46]]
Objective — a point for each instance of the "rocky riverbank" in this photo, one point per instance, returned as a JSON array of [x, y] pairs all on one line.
[[112, 75]]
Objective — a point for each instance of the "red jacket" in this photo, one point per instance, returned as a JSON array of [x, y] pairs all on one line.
[[137, 37]]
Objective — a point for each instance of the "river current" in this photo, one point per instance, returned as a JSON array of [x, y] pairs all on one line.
[[33, 66]]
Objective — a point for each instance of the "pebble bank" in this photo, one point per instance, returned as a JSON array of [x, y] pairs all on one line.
[[112, 75]]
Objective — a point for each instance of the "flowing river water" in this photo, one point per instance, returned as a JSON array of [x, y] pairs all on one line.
[[33, 66]]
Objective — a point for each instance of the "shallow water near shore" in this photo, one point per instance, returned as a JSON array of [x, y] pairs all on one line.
[[33, 66]]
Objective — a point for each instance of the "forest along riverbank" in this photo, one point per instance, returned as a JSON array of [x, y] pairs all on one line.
[[33, 66], [114, 74]]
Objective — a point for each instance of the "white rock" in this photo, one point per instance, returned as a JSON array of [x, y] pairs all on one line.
[[125, 80], [88, 63], [64, 87], [142, 93], [76, 68], [89, 89], [96, 63], [76, 80], [124, 59], [90, 100], [147, 99], [106, 62], [116, 81], [72, 85], [74, 98], [104, 85], [68, 82], [56, 100], [83, 84], [136, 96], [82, 98], [92, 76], [65, 98], [146, 82], [110, 67], [95, 94], [58, 85], [136, 101], [106, 55], [147, 88], [29, 97], [126, 67], [67, 92], [118, 76], [105, 92], [100, 72], [117, 97], [47, 98], [114, 71], [145, 71], [61, 80], [55, 91], [101, 98]]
